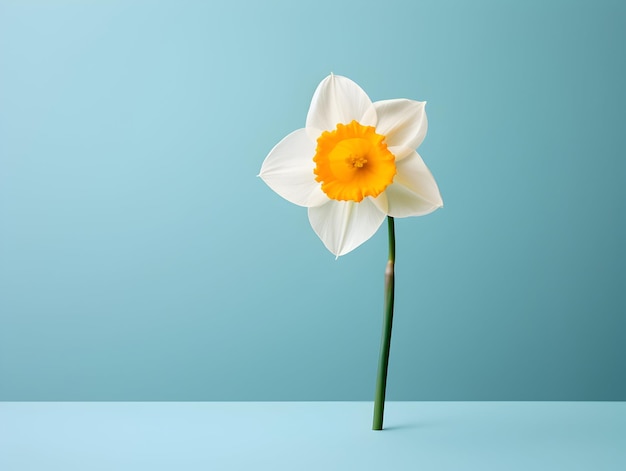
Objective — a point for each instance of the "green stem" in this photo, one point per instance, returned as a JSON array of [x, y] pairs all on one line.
[[385, 344]]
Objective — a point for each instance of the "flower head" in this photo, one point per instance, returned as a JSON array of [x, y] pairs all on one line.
[[354, 164]]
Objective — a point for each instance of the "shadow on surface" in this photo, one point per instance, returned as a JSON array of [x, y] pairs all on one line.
[[408, 426]]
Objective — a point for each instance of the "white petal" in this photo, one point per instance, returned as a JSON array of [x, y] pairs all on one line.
[[414, 191], [344, 225], [381, 202], [288, 170], [338, 100], [400, 152], [402, 122]]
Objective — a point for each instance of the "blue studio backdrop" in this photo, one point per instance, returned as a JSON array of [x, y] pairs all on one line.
[[142, 259]]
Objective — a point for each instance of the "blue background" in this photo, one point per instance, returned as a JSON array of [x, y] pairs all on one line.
[[142, 259]]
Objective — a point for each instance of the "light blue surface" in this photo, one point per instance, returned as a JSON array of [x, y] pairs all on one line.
[[436, 436], [141, 259]]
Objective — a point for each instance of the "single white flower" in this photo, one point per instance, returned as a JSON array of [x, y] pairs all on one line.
[[354, 164]]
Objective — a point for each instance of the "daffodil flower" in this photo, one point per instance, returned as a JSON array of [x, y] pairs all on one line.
[[353, 164]]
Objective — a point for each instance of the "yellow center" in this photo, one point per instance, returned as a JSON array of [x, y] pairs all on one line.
[[353, 162]]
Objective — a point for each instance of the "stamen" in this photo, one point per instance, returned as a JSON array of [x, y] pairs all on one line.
[[357, 161]]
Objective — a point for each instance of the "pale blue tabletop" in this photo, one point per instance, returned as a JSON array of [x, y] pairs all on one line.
[[312, 436]]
